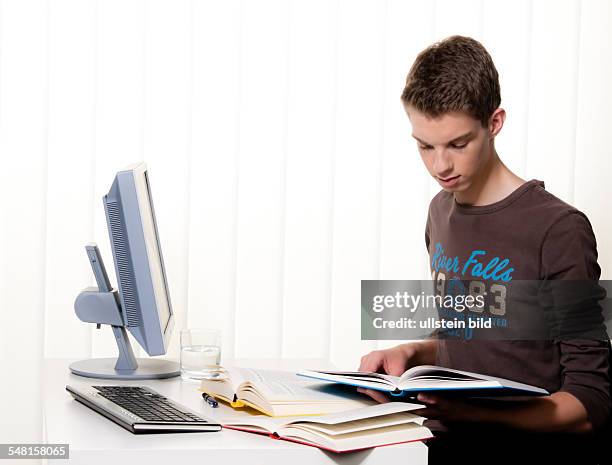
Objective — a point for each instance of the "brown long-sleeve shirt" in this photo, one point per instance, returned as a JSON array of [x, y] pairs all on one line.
[[529, 235]]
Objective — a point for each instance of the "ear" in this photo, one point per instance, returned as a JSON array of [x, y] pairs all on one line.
[[496, 121]]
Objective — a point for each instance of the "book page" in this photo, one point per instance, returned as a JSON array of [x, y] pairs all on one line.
[[377, 410], [356, 374], [364, 424], [225, 387], [435, 372], [433, 376], [359, 439], [261, 424], [363, 379], [282, 386]]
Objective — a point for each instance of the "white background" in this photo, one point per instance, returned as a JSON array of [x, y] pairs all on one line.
[[281, 162]]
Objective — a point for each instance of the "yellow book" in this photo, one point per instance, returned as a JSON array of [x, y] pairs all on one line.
[[280, 393]]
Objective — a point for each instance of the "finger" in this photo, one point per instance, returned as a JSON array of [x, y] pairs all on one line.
[[371, 362], [443, 403], [428, 412], [428, 399], [394, 365], [376, 395]]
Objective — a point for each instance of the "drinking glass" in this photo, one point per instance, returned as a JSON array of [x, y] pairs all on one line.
[[200, 354]]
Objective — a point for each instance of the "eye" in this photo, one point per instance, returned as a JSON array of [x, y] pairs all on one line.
[[458, 146], [425, 147]]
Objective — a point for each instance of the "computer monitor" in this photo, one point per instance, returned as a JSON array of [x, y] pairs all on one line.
[[142, 303]]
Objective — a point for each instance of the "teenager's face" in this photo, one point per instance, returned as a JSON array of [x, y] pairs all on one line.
[[454, 147]]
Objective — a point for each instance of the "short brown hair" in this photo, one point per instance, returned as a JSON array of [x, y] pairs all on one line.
[[455, 74]]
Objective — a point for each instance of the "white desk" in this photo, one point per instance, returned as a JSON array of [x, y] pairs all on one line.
[[94, 439]]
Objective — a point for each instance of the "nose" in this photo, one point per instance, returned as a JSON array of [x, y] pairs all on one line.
[[442, 165]]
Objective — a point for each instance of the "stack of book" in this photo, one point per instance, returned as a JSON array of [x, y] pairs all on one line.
[[284, 406]]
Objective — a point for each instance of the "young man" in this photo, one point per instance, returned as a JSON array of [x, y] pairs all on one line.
[[486, 212]]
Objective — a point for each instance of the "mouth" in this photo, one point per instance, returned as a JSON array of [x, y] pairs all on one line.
[[450, 181]]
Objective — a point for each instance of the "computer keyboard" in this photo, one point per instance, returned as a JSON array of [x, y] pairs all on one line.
[[140, 409]]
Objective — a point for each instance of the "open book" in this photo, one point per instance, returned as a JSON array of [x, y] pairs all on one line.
[[430, 378], [280, 393], [366, 427]]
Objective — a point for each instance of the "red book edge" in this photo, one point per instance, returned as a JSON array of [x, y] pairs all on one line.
[[277, 437]]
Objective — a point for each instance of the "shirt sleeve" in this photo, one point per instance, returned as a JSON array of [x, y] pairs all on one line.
[[569, 252]]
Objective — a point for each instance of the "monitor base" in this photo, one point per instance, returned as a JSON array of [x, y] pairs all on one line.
[[104, 368]]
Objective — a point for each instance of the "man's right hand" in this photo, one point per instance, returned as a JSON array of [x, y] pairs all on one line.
[[395, 361]]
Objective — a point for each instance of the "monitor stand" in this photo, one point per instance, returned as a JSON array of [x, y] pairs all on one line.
[[101, 305], [126, 366]]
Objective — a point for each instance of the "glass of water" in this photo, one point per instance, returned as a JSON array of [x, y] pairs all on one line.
[[200, 354]]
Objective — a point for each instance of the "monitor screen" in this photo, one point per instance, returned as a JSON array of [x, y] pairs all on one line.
[[158, 274]]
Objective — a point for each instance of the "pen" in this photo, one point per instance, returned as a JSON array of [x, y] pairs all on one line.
[[210, 400]]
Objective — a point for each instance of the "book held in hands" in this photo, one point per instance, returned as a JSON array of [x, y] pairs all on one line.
[[430, 378]]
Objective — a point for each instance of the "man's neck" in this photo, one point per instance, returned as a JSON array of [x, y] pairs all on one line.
[[495, 183]]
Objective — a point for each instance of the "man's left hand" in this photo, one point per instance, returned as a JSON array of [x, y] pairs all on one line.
[[449, 409]]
